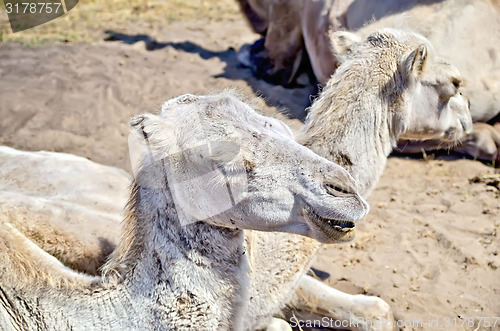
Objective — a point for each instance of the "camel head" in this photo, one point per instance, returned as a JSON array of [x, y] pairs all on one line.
[[438, 109], [229, 166], [423, 90]]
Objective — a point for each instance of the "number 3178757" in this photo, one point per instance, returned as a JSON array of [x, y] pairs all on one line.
[[33, 7]]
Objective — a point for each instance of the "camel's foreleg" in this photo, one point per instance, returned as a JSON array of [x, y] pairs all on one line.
[[364, 312]]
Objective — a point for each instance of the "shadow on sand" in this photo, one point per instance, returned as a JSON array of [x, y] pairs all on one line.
[[290, 101]]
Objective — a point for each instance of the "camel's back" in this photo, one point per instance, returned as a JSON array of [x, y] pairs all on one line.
[[64, 200]]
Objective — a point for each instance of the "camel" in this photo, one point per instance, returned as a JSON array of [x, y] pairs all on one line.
[[355, 122], [372, 110], [455, 28], [211, 167]]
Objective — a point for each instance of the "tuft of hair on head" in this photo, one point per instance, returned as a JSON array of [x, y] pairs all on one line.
[[343, 43]]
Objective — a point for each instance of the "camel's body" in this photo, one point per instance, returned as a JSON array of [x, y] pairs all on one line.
[[371, 111], [171, 270], [55, 191], [465, 32]]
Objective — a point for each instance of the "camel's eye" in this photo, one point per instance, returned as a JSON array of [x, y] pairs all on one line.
[[449, 89], [335, 190]]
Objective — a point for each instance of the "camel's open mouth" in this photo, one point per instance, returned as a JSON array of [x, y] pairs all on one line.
[[330, 225]]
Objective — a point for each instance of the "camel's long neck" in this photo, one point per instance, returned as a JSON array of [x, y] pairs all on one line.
[[197, 272], [350, 125]]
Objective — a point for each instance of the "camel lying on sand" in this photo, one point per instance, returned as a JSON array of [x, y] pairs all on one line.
[[75, 203], [366, 114], [356, 122], [210, 168], [464, 32]]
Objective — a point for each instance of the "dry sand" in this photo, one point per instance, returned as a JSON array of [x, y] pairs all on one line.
[[430, 244]]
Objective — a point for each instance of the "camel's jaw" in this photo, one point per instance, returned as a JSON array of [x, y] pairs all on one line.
[[332, 230]]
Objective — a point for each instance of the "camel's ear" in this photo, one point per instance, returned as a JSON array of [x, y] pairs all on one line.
[[136, 120], [148, 139], [416, 61], [139, 122], [151, 127], [342, 43], [153, 132]]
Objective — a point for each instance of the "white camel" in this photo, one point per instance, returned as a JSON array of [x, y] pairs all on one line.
[[390, 83], [210, 167], [356, 122]]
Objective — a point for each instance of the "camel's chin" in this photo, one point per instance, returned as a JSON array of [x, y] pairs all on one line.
[[451, 136], [331, 231], [338, 238]]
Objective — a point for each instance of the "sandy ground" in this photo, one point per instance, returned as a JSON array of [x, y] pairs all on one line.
[[430, 244]]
